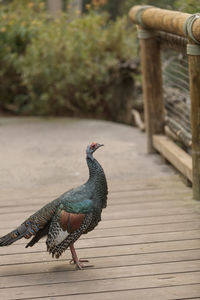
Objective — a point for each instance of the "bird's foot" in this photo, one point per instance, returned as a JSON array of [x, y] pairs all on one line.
[[80, 263]]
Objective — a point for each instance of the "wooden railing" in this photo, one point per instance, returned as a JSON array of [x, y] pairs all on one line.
[[151, 22]]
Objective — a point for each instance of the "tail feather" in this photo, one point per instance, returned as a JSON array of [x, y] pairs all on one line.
[[13, 236], [40, 234], [36, 225], [34, 240], [26, 230]]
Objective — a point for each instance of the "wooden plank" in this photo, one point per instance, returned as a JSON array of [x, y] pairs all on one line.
[[148, 221], [97, 286], [115, 186], [178, 292], [9, 199], [150, 229], [116, 214], [89, 252], [123, 222], [117, 200], [100, 262], [141, 193], [174, 202], [112, 241], [128, 237], [174, 154], [117, 240], [146, 196], [175, 206], [139, 229], [113, 204], [99, 274]]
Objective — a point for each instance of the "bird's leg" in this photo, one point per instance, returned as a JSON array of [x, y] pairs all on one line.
[[78, 262]]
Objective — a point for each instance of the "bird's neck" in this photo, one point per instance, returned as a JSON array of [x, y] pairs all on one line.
[[95, 169], [97, 179]]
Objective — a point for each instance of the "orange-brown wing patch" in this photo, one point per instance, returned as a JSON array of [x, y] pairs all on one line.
[[70, 222], [64, 219], [76, 221]]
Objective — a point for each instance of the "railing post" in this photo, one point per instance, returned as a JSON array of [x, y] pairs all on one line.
[[194, 71], [152, 86], [180, 24]]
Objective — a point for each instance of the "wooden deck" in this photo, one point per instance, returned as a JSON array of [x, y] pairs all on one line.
[[146, 247]]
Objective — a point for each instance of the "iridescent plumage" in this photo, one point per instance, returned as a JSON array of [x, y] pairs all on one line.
[[66, 218]]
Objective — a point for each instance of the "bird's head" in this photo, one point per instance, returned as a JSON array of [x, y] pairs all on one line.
[[92, 148]]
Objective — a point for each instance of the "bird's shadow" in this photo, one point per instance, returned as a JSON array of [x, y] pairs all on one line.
[[65, 267]]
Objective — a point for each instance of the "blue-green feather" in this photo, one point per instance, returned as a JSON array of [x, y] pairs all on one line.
[[79, 207]]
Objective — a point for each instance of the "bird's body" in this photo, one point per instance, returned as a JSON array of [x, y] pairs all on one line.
[[66, 218]]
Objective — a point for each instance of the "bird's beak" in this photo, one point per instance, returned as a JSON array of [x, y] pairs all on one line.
[[100, 145]]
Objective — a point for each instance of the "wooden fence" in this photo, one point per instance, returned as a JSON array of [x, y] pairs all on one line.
[[154, 26]]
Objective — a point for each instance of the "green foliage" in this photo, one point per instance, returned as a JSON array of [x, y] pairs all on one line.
[[119, 7], [189, 6], [166, 4], [19, 22], [59, 66]]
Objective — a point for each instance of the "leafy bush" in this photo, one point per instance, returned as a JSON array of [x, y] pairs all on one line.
[[18, 24], [60, 66], [189, 6], [119, 7]]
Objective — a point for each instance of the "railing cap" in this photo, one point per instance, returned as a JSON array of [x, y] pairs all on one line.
[[165, 20]]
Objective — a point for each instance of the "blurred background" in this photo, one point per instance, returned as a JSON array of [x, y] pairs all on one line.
[[72, 58]]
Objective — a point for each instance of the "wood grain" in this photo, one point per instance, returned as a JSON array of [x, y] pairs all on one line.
[[194, 72], [152, 93], [165, 20], [174, 154], [147, 246]]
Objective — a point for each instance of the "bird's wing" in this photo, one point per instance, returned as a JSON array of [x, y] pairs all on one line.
[[68, 219], [56, 234], [77, 224]]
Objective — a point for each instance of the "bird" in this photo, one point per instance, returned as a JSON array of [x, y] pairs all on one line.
[[63, 220]]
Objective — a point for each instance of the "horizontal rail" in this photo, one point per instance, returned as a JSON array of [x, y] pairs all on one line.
[[174, 154], [164, 20]]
